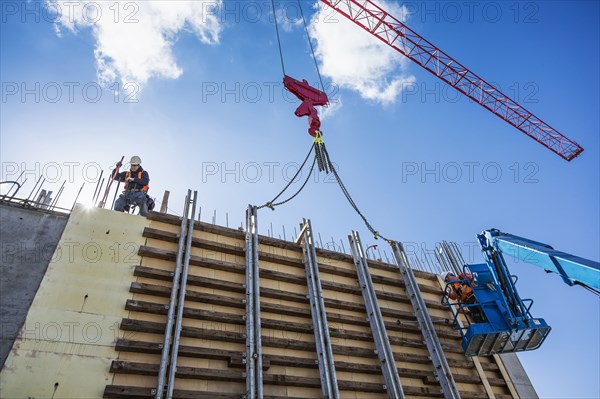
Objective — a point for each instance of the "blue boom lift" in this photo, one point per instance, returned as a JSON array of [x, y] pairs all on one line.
[[505, 323]]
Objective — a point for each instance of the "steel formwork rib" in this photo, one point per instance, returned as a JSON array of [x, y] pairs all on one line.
[[181, 302], [397, 35], [436, 352], [254, 374], [382, 342], [329, 387], [160, 387]]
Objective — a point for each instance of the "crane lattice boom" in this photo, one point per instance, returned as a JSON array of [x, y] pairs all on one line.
[[397, 35]]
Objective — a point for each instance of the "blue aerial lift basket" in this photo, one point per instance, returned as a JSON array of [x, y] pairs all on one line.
[[498, 320]]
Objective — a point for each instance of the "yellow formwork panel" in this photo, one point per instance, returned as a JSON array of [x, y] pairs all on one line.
[[78, 308], [73, 323]]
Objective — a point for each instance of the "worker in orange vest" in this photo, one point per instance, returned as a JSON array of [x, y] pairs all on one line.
[[136, 186], [463, 292]]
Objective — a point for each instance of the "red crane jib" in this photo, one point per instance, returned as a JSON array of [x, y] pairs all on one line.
[[310, 97], [390, 30]]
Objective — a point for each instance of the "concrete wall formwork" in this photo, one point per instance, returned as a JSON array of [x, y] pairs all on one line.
[[125, 299]]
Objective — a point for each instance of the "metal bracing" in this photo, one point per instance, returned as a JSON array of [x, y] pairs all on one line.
[[181, 302], [327, 372], [436, 353], [172, 302], [254, 376], [382, 343]]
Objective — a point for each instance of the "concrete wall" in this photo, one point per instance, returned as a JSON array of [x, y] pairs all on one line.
[[97, 320], [28, 238], [519, 376]]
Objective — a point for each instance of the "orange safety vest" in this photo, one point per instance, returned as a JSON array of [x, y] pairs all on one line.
[[128, 175], [462, 289]]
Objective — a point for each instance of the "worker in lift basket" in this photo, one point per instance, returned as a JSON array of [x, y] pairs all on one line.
[[136, 186], [462, 291]]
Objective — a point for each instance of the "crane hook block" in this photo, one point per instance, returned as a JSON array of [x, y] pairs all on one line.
[[310, 97]]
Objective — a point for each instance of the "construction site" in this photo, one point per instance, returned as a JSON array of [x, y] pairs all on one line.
[[132, 292], [107, 327]]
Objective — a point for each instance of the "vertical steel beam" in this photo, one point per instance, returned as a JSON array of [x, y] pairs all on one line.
[[327, 372], [382, 343], [436, 353], [172, 302], [181, 302], [254, 377]]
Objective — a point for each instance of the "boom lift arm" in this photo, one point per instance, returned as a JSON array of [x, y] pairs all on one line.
[[573, 269], [508, 325]]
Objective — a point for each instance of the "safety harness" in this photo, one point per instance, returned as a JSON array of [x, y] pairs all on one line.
[[139, 176]]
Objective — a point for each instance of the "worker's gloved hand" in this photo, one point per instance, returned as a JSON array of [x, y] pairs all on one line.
[[130, 179], [119, 164]]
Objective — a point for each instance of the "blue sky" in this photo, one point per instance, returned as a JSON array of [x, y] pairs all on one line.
[[424, 164]]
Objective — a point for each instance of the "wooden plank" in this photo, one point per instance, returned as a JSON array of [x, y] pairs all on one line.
[[223, 231], [118, 391], [150, 272], [137, 368], [235, 359], [155, 308], [284, 309], [143, 271], [279, 276], [198, 314], [227, 336], [175, 220], [126, 392], [236, 233], [165, 292], [362, 321], [162, 235], [151, 289], [239, 362], [276, 294], [466, 379], [126, 345], [163, 275]]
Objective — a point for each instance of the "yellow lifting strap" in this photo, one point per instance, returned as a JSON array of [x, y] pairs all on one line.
[[318, 137]]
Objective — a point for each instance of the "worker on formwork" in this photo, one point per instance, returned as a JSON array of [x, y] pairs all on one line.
[[462, 290], [136, 186]]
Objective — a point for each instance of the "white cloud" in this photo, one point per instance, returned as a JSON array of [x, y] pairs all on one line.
[[356, 60], [287, 21], [134, 39], [331, 109]]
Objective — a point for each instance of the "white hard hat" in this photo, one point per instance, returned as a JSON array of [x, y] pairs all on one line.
[[135, 160], [445, 275]]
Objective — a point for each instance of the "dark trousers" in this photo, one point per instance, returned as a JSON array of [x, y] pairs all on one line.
[[132, 197]]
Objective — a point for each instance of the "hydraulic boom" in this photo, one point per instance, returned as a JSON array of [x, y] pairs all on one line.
[[573, 269], [506, 324]]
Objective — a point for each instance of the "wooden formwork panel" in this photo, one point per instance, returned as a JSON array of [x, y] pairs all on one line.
[[213, 334]]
